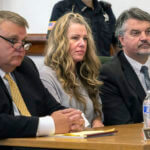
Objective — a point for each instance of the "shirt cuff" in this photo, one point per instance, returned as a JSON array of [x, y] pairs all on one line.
[[46, 126], [86, 121]]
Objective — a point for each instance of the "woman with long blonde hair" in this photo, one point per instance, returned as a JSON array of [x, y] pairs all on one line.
[[72, 67]]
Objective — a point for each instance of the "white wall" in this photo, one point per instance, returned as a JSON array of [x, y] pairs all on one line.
[[37, 12], [1, 4], [119, 6]]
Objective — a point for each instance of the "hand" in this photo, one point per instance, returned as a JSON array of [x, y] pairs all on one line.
[[78, 123], [97, 123], [79, 126], [68, 120], [72, 112], [62, 122]]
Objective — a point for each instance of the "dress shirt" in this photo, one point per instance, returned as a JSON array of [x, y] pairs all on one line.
[[46, 124], [137, 67]]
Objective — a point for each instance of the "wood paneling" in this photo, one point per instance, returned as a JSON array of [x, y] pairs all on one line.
[[38, 44]]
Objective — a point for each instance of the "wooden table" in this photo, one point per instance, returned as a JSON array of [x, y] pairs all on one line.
[[128, 137]]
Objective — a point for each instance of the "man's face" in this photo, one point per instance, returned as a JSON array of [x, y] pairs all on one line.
[[136, 39], [10, 57]]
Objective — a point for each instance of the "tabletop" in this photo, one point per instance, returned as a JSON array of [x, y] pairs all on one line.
[[128, 137]]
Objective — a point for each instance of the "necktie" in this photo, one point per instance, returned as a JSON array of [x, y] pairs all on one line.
[[16, 96], [144, 70]]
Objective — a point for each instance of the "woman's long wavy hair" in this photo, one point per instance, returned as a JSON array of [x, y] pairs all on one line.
[[57, 56]]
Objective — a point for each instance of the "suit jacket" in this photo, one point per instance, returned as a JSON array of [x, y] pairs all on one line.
[[122, 93], [38, 100]]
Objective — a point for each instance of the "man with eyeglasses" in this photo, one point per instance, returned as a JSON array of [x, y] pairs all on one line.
[[46, 116], [16, 44]]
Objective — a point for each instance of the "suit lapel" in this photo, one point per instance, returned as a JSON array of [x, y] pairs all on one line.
[[6, 96], [3, 87], [131, 76]]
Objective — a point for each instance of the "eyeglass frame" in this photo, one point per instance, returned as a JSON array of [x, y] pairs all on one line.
[[25, 45]]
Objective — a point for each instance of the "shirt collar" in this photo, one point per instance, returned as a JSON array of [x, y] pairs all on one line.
[[136, 65], [2, 73]]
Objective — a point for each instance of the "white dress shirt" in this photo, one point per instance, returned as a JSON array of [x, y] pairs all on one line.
[[137, 67]]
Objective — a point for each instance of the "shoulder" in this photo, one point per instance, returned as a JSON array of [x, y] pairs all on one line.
[[105, 4], [112, 71], [64, 3], [28, 71], [27, 60], [46, 70], [60, 8], [47, 73], [112, 66], [27, 65]]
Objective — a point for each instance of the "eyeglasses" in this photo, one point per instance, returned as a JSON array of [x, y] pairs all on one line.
[[17, 45]]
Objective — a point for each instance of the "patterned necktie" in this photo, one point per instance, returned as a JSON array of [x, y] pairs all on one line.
[[144, 70], [16, 96]]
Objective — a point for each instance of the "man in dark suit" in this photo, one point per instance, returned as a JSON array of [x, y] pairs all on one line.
[[124, 87], [46, 116]]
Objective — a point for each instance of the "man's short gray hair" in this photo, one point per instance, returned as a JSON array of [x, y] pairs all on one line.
[[132, 13], [13, 17]]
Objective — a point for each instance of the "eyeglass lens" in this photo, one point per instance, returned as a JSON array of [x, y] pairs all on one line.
[[25, 46]]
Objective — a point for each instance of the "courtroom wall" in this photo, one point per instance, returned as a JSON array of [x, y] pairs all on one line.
[[37, 12]]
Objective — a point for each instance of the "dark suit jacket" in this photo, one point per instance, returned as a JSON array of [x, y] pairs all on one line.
[[37, 98], [122, 93]]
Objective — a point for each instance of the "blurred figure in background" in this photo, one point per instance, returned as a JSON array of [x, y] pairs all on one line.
[[99, 16], [72, 67]]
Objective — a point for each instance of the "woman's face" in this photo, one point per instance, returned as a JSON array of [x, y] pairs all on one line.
[[77, 36]]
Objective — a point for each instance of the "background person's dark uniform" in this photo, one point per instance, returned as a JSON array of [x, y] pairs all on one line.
[[101, 20]]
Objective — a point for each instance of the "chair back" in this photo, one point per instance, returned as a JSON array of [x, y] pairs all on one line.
[[105, 59]]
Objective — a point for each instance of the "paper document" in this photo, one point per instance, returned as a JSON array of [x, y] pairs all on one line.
[[87, 134]]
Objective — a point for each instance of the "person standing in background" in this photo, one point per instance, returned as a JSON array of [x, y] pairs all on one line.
[[100, 17], [124, 87], [72, 67]]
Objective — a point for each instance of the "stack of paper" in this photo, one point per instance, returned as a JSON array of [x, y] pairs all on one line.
[[87, 134]]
